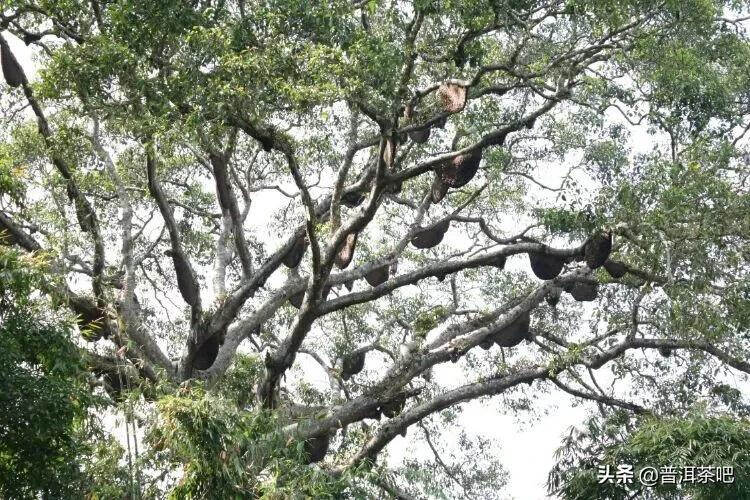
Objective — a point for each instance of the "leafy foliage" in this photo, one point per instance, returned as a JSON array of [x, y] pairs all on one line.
[[45, 433], [695, 440]]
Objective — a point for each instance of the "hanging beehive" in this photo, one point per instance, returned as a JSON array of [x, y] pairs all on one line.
[[389, 151], [349, 284], [394, 268], [90, 319], [409, 111], [377, 276], [207, 352], [316, 448], [395, 187], [420, 136], [545, 266], [497, 261], [452, 97], [29, 38], [585, 292], [186, 282], [294, 256], [597, 249], [553, 296], [297, 298], [431, 236], [352, 199], [459, 170], [439, 190], [373, 413], [394, 406], [514, 333], [615, 268], [12, 71], [345, 252], [113, 386], [487, 343], [352, 364]]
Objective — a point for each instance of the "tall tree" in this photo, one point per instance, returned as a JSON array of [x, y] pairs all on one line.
[[334, 189]]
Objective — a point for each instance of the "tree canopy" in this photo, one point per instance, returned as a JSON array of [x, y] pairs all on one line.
[[288, 232]]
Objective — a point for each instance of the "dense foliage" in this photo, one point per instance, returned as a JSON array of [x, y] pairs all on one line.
[[288, 232], [695, 441], [50, 447]]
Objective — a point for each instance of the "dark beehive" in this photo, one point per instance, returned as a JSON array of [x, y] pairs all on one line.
[[373, 413], [11, 69], [486, 344], [352, 364], [186, 282], [615, 269], [294, 256], [394, 406], [439, 190], [352, 199], [431, 236], [90, 319], [514, 333], [349, 285], [665, 351], [346, 251], [394, 187], [377, 276], [113, 386], [420, 136], [459, 170], [316, 448], [498, 261], [296, 299], [553, 296], [206, 353], [544, 266], [30, 38], [597, 249], [585, 292]]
